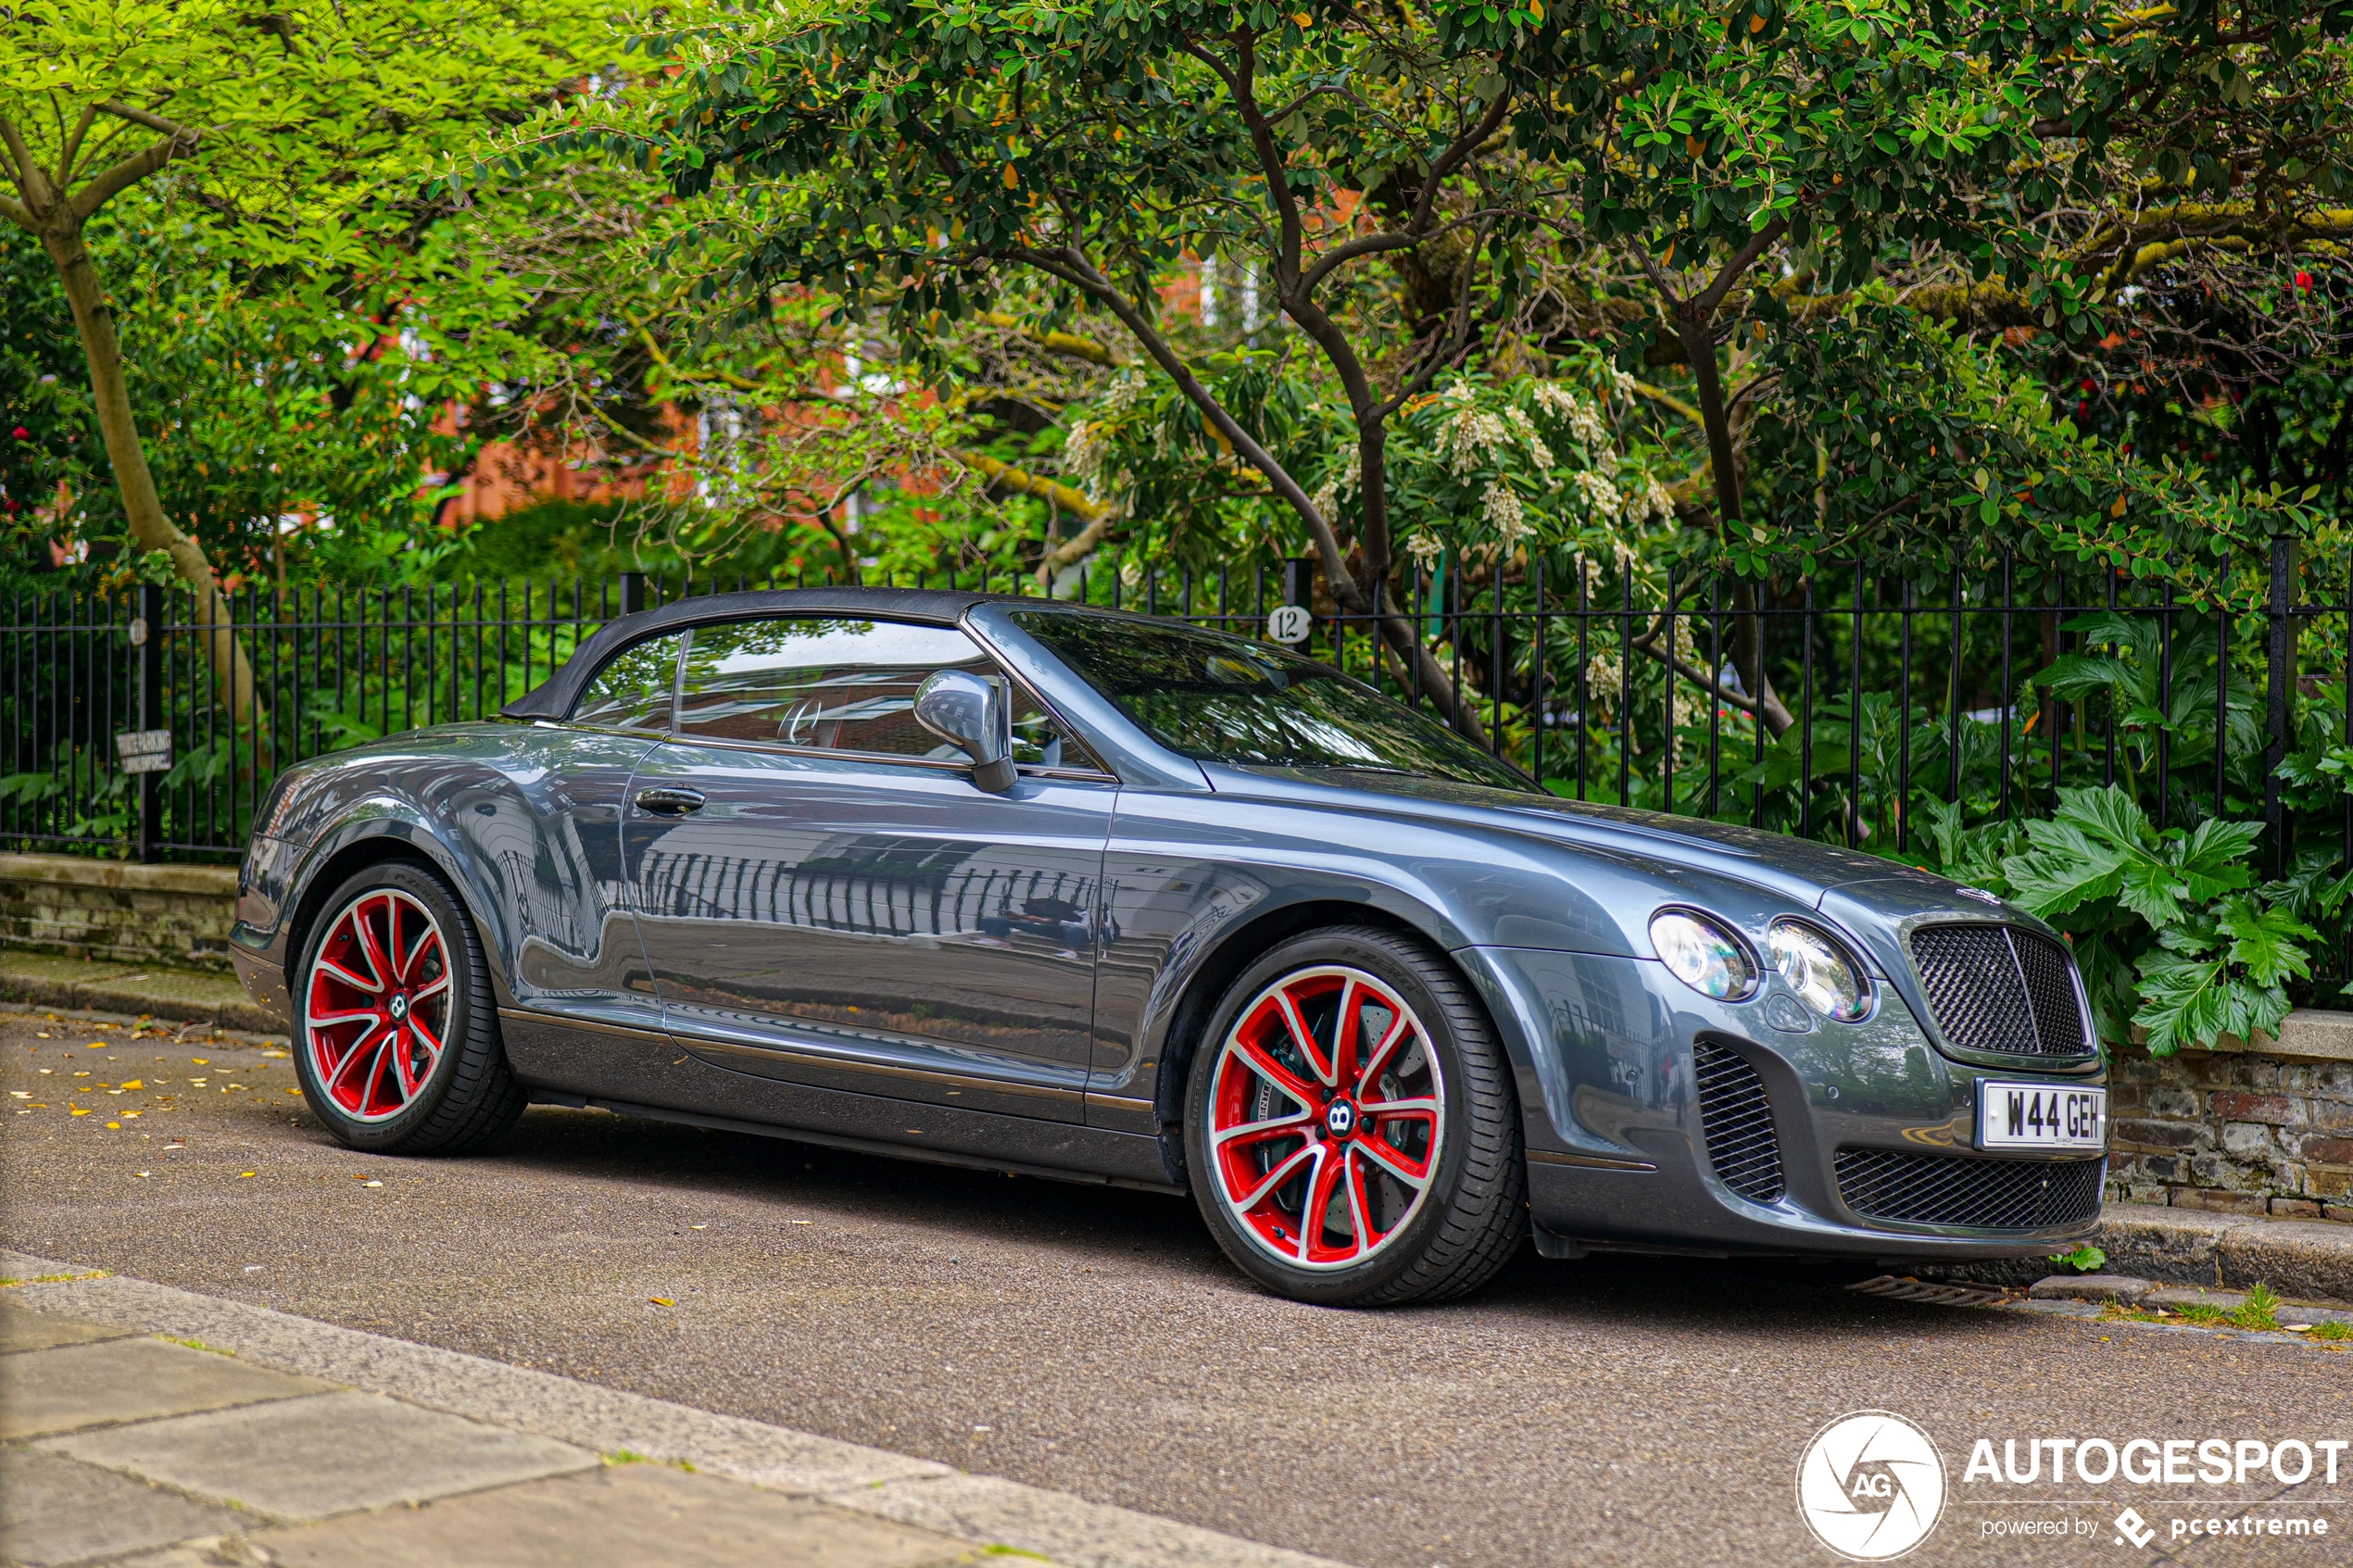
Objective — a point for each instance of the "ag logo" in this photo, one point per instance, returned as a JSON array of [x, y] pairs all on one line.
[[1871, 1486]]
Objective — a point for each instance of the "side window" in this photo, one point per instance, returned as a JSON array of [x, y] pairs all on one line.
[[832, 685], [632, 692]]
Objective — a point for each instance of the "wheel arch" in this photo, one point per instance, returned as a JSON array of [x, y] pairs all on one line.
[[1206, 983], [345, 852]]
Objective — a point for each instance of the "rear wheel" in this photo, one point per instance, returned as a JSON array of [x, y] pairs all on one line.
[[1350, 1125], [396, 1037]]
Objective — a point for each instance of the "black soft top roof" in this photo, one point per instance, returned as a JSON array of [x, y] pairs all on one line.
[[553, 698]]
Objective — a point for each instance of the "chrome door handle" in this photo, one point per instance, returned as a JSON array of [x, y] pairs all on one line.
[[666, 802]]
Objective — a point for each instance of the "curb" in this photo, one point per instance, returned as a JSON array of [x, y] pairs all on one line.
[[183, 996], [1067, 1530], [2301, 1260]]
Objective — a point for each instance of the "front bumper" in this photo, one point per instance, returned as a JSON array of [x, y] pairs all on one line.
[[1619, 1154], [258, 938]]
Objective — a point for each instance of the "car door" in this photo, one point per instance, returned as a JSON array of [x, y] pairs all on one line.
[[826, 898]]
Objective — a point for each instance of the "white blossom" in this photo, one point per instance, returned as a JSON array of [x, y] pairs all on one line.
[[1339, 481], [1565, 402], [1083, 454], [1524, 428], [1468, 434], [1121, 394], [1599, 495], [1504, 514], [1647, 501], [1426, 548]]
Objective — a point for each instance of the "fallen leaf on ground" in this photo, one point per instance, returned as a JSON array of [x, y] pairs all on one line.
[[134, 1083], [243, 1174], [804, 1222], [661, 1300], [116, 1125], [79, 1111], [372, 1184]]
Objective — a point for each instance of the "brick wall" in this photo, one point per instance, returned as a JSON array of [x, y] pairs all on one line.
[[118, 912], [2241, 1131]]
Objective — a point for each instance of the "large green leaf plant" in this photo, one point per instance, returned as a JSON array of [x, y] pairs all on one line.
[[2172, 934]]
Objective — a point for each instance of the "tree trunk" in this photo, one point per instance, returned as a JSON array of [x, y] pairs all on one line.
[[150, 529], [1698, 337]]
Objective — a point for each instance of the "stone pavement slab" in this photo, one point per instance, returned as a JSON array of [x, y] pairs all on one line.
[[327, 1454], [2092, 1287], [53, 1510], [24, 1330], [78, 1386], [928, 1503], [627, 1513]]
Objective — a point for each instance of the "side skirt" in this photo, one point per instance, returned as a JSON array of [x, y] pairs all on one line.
[[860, 1146], [640, 1073]]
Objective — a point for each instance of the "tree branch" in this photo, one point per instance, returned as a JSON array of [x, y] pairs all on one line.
[[1452, 158], [154, 122], [120, 178], [1076, 502], [73, 145], [30, 181]]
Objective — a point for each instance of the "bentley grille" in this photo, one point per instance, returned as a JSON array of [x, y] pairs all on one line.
[[1737, 1120], [1939, 1189], [1998, 988]]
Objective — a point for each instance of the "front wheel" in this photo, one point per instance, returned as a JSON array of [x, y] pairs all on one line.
[[396, 1036], [1350, 1125]]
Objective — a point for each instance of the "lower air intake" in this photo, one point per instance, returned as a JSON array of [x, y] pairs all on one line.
[[1737, 1120], [1938, 1189]]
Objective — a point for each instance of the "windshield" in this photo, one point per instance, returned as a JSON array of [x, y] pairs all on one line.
[[1220, 698]]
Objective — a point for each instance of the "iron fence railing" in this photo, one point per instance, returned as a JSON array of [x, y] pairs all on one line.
[[1857, 707]]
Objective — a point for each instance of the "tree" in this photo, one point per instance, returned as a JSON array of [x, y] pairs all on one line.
[[919, 155], [285, 126]]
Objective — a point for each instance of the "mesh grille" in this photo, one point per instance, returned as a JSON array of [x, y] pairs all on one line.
[[1938, 1189], [1994, 988], [2059, 1022], [1737, 1119]]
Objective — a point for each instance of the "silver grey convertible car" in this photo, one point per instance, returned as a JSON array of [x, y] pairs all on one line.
[[1030, 887]]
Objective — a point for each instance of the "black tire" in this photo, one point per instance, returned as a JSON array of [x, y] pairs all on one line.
[[469, 1095], [1470, 1216]]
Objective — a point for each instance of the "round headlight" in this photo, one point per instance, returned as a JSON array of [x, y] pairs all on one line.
[[1823, 977], [1703, 955]]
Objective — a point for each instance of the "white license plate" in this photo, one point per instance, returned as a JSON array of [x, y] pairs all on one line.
[[2040, 1116]]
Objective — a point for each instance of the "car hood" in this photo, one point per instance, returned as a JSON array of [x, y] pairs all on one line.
[[1804, 870]]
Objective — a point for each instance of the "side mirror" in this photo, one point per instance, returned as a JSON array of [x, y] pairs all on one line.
[[970, 712]]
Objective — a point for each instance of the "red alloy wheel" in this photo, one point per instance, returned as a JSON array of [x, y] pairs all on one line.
[[376, 1007], [1325, 1112]]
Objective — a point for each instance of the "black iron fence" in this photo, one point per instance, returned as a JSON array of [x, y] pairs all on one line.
[[1869, 707]]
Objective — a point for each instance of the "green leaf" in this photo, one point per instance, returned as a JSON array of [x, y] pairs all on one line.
[[2064, 870], [2106, 813], [2214, 859], [2151, 889], [2183, 1002], [2264, 941]]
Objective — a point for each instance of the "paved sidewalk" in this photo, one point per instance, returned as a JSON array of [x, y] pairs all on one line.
[[190, 995], [142, 1427]]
